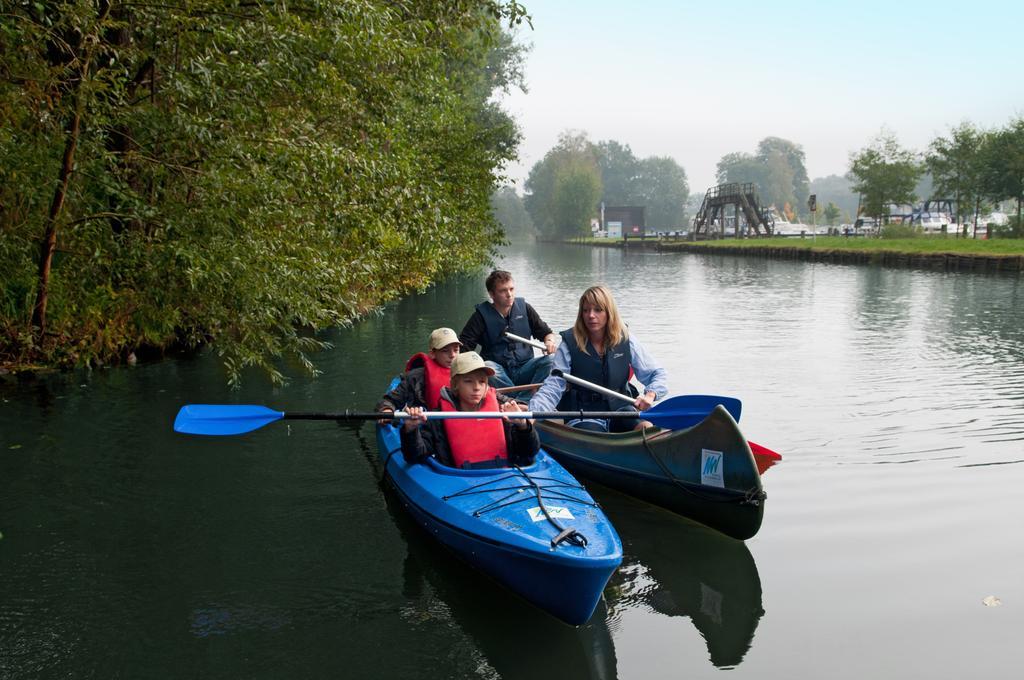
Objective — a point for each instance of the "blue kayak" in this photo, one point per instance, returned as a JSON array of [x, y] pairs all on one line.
[[535, 529]]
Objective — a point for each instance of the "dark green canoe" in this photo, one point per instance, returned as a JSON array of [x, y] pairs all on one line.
[[706, 473]]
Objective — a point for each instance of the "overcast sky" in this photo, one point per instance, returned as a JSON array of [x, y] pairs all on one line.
[[697, 80]]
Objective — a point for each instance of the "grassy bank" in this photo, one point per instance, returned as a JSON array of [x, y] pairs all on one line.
[[922, 245], [924, 252]]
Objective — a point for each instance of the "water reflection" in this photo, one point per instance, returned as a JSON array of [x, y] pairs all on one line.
[[514, 638], [679, 568], [510, 635], [894, 395]]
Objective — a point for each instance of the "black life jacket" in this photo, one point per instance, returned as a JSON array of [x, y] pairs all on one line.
[[613, 371], [495, 346]]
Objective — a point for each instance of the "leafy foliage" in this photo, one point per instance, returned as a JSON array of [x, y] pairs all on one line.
[[956, 166], [1002, 172], [508, 209], [620, 173], [831, 214], [564, 187], [241, 173], [577, 190], [884, 174], [657, 183], [662, 188], [836, 189], [777, 168]]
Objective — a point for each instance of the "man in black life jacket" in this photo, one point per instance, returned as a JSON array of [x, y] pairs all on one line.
[[425, 374], [470, 443], [513, 362]]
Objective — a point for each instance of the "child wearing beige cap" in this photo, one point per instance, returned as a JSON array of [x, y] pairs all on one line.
[[470, 443], [425, 374]]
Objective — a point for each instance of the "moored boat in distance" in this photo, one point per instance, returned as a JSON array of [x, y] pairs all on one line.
[[706, 473], [535, 530], [934, 223], [781, 226]]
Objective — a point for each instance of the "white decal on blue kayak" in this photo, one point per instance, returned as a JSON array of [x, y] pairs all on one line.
[[711, 468], [536, 514]]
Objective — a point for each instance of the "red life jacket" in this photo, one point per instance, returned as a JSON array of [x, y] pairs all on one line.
[[435, 376], [477, 442]]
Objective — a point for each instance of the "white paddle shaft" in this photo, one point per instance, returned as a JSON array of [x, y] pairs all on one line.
[[591, 386], [445, 415], [526, 341]]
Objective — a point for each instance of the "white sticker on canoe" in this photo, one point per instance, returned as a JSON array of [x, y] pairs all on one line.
[[711, 468], [536, 514]]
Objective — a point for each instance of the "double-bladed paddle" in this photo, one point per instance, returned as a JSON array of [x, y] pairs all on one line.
[[696, 407], [693, 407], [526, 341], [227, 419]]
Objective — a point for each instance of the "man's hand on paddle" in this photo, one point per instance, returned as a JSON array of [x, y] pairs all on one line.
[[549, 344]]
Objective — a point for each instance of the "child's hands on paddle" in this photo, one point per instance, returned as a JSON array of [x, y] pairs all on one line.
[[519, 423], [415, 419]]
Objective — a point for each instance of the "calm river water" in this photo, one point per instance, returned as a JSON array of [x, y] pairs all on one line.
[[895, 396]]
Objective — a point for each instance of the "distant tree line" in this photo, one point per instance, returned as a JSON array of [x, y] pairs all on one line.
[[241, 173], [507, 206], [565, 189], [972, 166], [777, 168]]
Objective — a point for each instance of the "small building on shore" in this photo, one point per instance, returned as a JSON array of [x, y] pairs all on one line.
[[623, 221]]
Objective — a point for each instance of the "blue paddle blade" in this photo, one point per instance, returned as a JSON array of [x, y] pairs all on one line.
[[223, 419], [679, 413]]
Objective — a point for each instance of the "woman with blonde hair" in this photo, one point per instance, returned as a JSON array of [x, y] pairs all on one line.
[[600, 349]]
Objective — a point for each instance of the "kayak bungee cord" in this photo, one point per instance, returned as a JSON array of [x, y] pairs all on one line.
[[553, 493], [752, 496], [480, 488], [570, 535]]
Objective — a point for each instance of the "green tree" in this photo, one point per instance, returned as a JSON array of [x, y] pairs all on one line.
[[739, 168], [664, 192], [955, 164], [777, 168], [884, 173], [559, 182], [620, 173], [577, 191], [241, 173], [786, 172], [657, 183], [835, 189], [831, 214], [1003, 164], [508, 209]]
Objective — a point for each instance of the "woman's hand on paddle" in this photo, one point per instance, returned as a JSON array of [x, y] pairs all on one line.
[[415, 419], [385, 421], [515, 406], [645, 401]]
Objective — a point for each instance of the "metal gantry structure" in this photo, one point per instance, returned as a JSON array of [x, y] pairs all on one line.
[[712, 218]]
